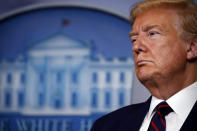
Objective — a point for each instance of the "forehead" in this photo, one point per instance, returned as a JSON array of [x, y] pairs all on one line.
[[160, 18]]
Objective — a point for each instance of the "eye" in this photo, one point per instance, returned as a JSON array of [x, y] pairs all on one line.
[[133, 40], [152, 33]]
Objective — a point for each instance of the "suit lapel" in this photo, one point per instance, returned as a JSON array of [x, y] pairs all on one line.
[[136, 117], [190, 123]]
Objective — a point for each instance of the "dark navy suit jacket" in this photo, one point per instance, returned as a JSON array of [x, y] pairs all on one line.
[[130, 118]]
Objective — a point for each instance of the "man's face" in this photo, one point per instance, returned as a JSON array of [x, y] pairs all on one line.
[[158, 51]]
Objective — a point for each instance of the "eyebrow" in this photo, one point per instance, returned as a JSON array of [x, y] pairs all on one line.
[[145, 29], [132, 34]]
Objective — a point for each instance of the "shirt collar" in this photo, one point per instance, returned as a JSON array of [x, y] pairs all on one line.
[[181, 102], [154, 102]]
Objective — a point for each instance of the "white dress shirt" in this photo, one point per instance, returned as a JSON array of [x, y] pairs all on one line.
[[181, 103]]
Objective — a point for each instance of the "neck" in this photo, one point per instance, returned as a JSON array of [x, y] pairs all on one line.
[[165, 87]]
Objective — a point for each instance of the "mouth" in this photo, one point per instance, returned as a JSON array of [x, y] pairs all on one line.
[[142, 62]]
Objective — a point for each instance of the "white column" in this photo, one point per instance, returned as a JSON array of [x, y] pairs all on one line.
[[114, 98], [101, 99], [67, 91], [14, 100]]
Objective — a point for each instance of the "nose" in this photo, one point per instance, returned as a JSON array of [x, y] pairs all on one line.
[[139, 47]]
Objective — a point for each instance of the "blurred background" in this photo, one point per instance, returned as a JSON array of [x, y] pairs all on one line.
[[119, 6], [64, 63]]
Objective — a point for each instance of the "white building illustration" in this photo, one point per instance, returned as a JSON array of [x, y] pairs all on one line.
[[62, 75]]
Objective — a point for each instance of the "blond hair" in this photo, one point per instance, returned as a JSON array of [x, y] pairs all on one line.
[[186, 10]]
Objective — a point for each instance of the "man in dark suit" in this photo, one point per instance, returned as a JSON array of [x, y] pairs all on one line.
[[164, 37]]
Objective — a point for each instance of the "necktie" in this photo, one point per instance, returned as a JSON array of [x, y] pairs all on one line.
[[158, 122]]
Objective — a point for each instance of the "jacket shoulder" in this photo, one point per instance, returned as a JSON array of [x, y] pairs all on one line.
[[113, 119], [122, 112]]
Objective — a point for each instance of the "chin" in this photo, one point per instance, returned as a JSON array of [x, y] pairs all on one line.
[[144, 76], [143, 79]]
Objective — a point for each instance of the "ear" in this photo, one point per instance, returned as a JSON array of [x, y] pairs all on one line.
[[192, 50]]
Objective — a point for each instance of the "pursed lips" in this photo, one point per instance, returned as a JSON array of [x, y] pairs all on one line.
[[142, 62]]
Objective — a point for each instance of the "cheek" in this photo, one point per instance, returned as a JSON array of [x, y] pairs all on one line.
[[163, 55], [179, 56], [171, 57]]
